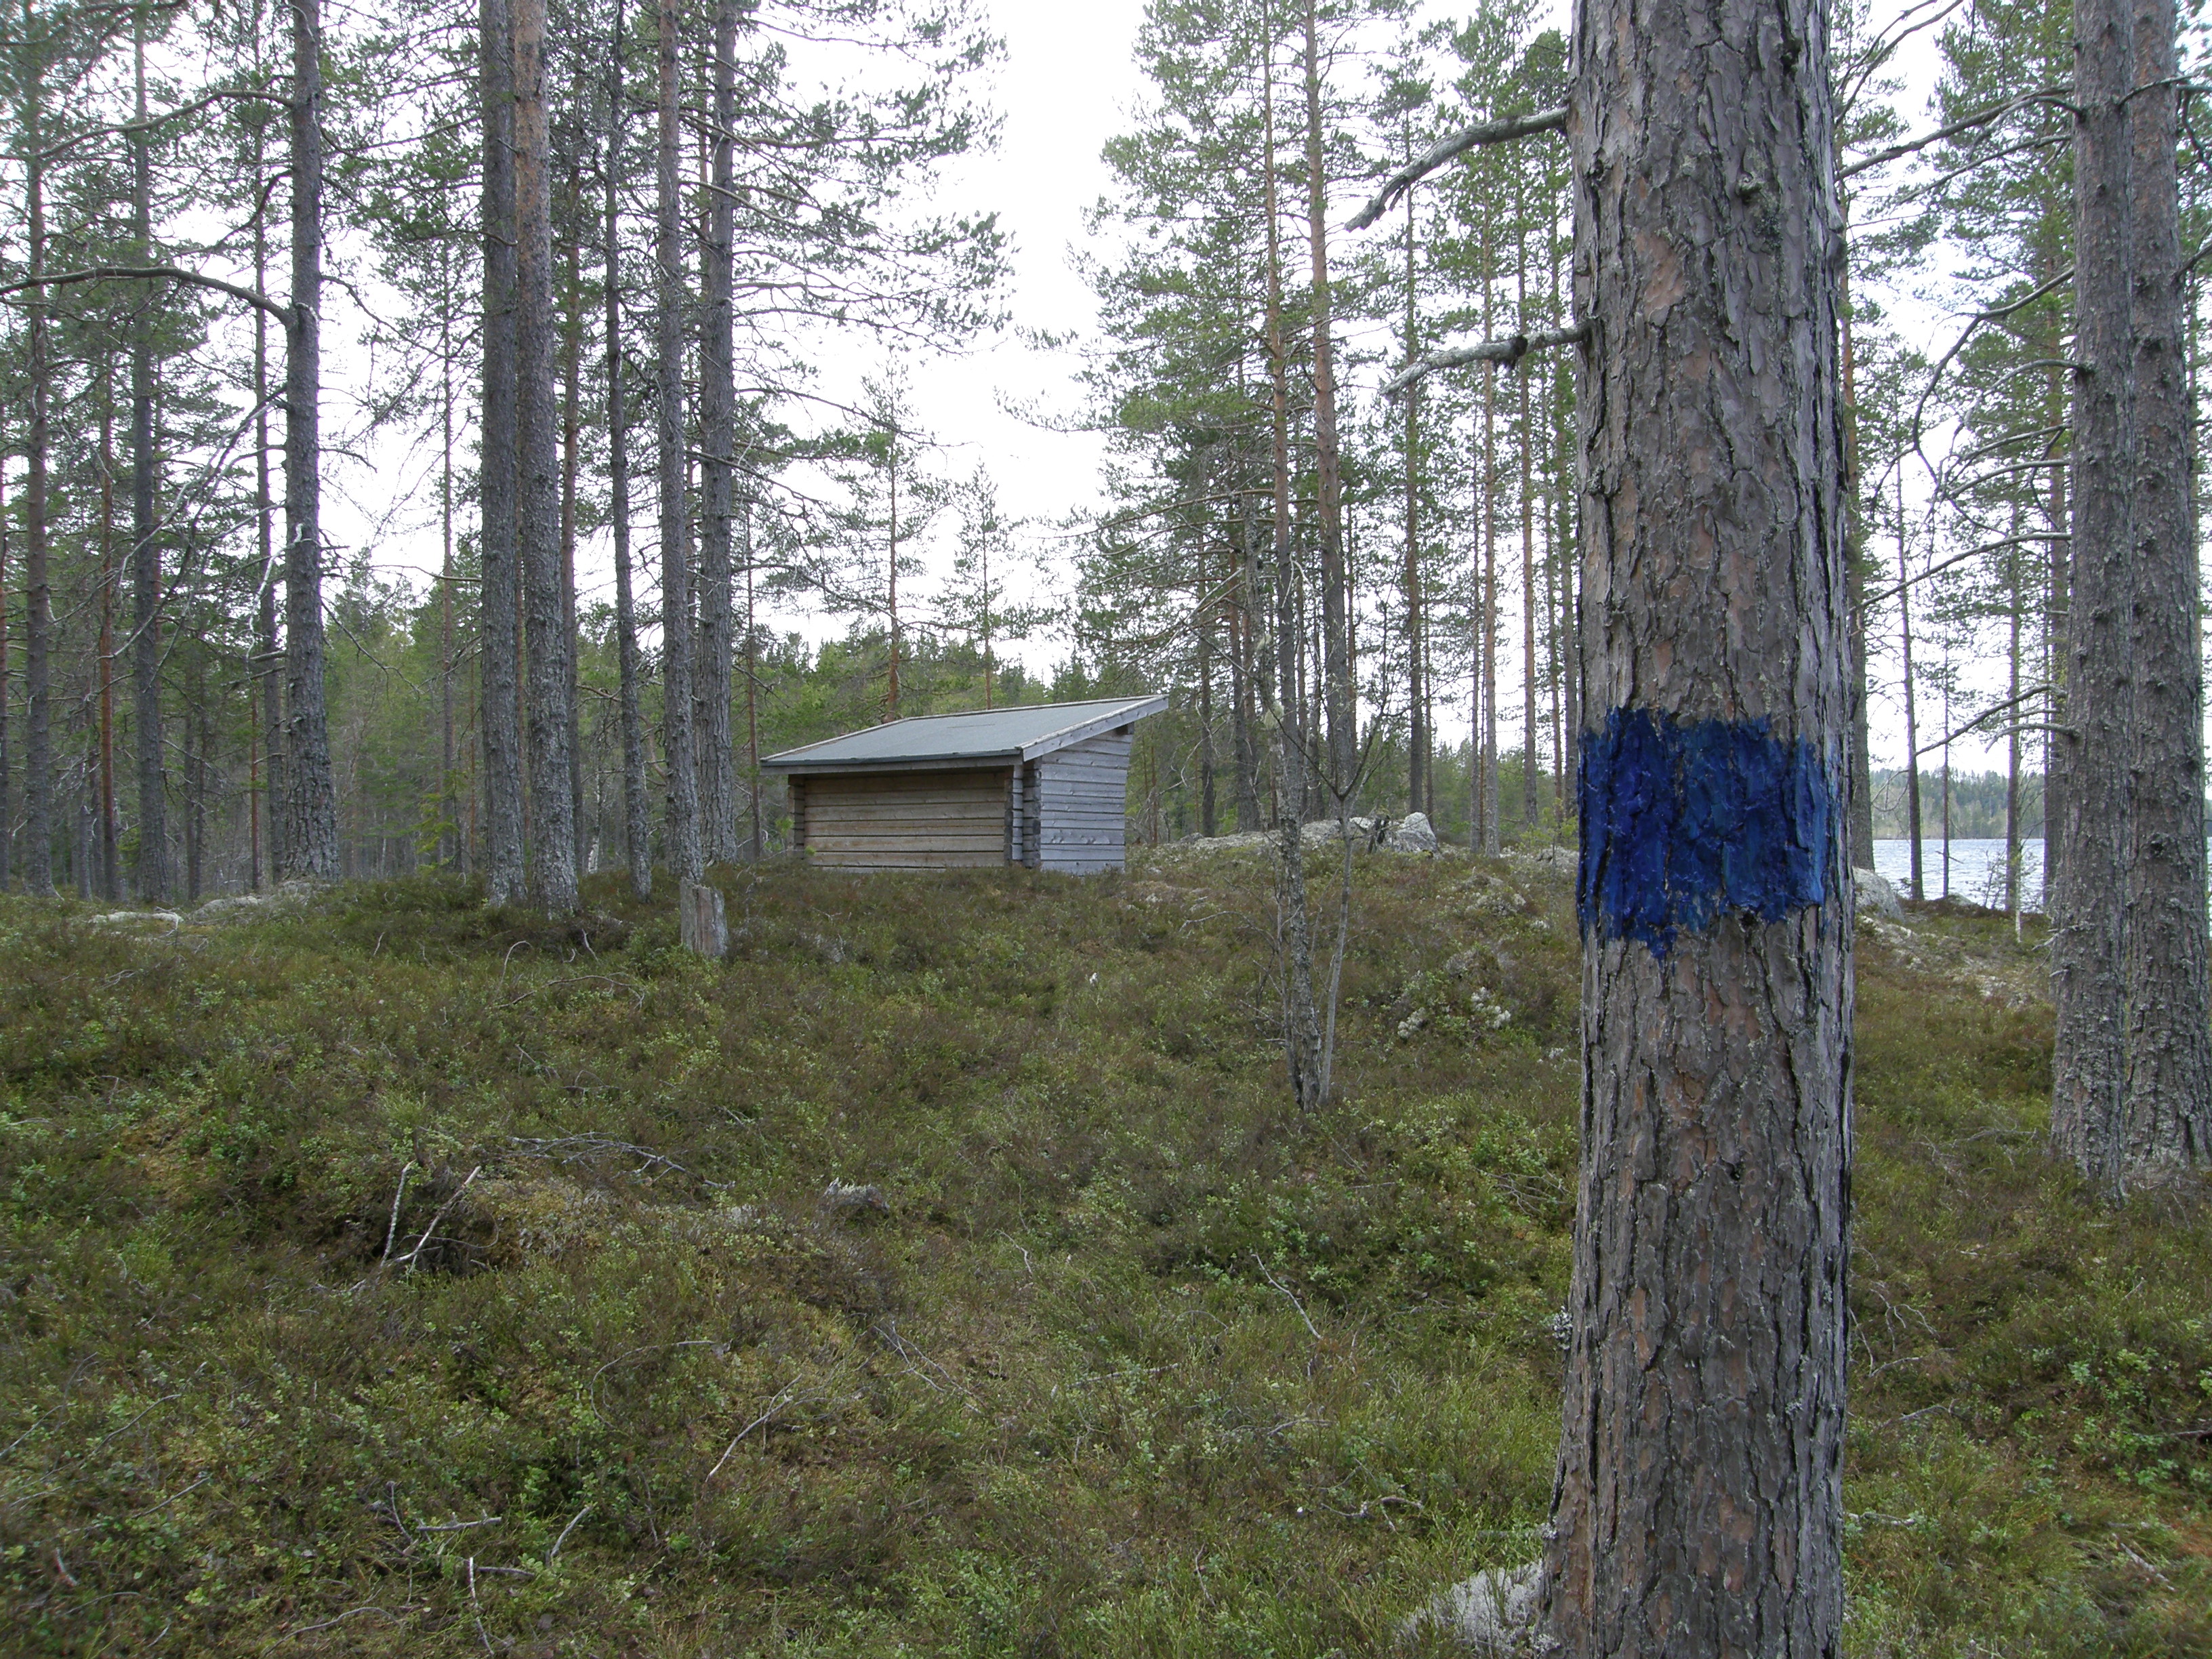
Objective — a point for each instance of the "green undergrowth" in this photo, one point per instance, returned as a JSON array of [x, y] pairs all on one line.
[[396, 1276]]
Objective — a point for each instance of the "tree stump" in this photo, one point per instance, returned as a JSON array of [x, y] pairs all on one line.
[[698, 913]]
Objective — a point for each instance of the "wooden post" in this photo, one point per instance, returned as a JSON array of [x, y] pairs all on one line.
[[700, 916]]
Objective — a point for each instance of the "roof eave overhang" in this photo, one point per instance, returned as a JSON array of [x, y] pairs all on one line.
[[1096, 725], [801, 764]]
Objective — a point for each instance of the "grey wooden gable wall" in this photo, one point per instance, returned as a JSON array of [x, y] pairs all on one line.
[[1075, 806]]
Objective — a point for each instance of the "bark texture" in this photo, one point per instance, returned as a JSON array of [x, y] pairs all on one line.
[[38, 858], [311, 810], [1697, 1512], [637, 834], [2133, 1058], [1343, 712], [537, 480], [145, 550], [717, 432], [686, 850], [498, 626]]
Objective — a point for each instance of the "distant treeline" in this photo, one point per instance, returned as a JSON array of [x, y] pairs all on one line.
[[1977, 805]]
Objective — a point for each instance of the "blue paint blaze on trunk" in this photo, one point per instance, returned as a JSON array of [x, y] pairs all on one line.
[[1683, 820]]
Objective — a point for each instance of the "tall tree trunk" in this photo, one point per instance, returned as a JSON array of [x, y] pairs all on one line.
[[538, 478], [1526, 439], [1417, 724], [311, 829], [572, 351], [2055, 614], [1563, 470], [268, 673], [1697, 1512], [499, 626], [145, 549], [1911, 702], [1340, 696], [109, 878], [718, 434], [2012, 736], [1252, 691], [37, 594], [685, 850], [1301, 1022], [449, 840], [891, 700], [1493, 793], [1861, 836], [2131, 1096], [637, 834], [757, 846], [7, 795]]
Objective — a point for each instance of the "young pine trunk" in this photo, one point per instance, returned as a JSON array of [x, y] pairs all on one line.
[[717, 432], [499, 628], [685, 851], [311, 813], [538, 478], [1697, 1512], [2131, 1095], [637, 834]]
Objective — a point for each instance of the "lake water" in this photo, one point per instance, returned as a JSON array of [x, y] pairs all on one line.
[[1977, 870]]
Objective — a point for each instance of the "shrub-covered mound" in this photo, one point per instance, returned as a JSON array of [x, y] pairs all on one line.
[[944, 1273]]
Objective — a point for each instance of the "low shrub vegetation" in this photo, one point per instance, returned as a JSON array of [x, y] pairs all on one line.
[[394, 1276]]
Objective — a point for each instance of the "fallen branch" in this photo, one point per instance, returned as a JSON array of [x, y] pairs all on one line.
[[1509, 351], [1458, 144], [1288, 1296], [408, 1260]]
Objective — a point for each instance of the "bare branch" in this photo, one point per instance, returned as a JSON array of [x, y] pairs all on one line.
[[1467, 138], [1509, 351], [1989, 113]]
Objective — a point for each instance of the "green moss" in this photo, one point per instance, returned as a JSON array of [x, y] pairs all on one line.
[[1138, 1362]]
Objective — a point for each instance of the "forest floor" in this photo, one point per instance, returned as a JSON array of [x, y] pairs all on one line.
[[387, 1275]]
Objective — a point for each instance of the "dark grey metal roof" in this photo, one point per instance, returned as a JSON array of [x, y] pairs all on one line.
[[1022, 732]]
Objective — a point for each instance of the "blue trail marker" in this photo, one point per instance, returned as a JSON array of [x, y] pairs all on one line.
[[1683, 820]]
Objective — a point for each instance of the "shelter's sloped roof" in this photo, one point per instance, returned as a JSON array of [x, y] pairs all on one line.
[[1022, 732]]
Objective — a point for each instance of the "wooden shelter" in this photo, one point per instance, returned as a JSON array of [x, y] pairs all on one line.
[[1044, 785]]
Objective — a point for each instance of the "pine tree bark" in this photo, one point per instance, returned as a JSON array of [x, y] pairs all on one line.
[[38, 593], [637, 833], [552, 831], [499, 627], [2131, 1095], [7, 714], [717, 431], [1417, 725], [685, 850], [310, 826], [1340, 698], [1301, 1022], [145, 548], [1698, 1506], [268, 675]]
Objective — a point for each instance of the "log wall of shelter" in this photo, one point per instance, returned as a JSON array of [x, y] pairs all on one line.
[[910, 820], [1079, 818]]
